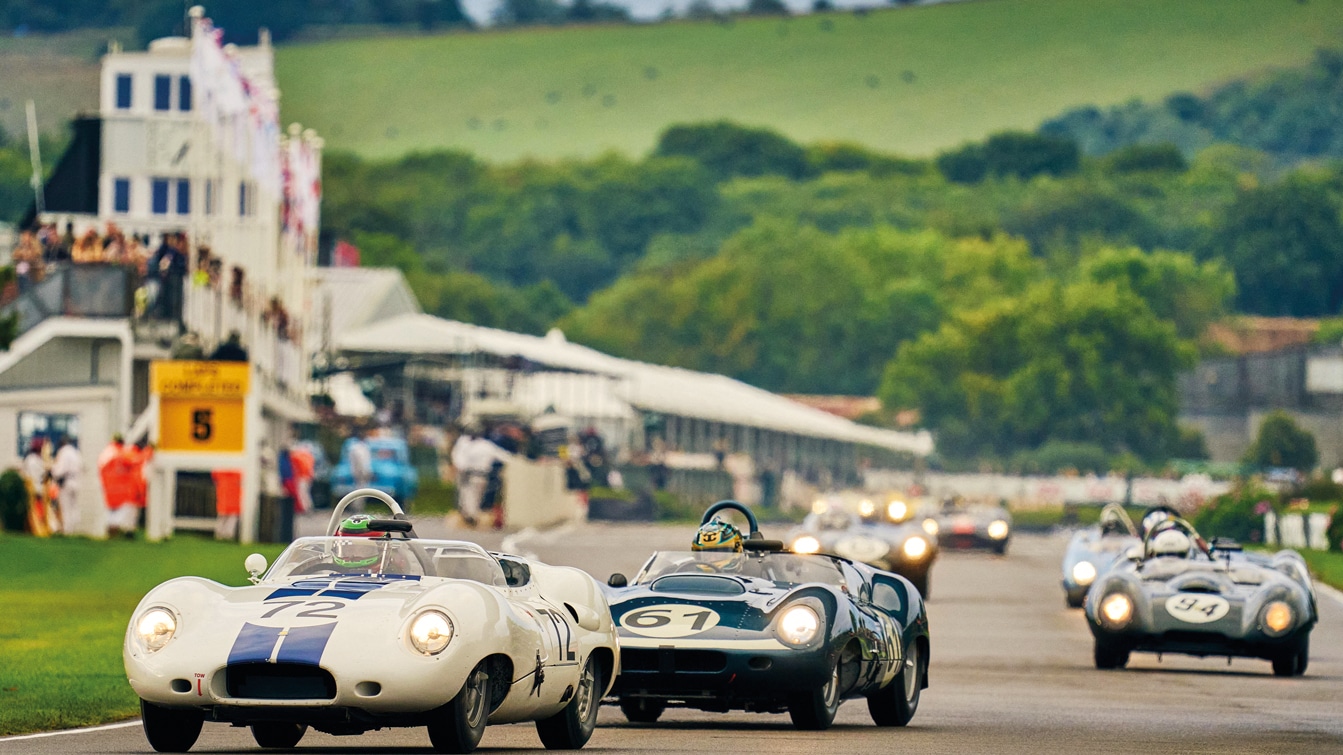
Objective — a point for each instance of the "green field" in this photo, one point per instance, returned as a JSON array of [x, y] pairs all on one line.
[[67, 603], [911, 80]]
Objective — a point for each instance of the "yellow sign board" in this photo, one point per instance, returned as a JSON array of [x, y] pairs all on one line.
[[200, 405], [187, 379]]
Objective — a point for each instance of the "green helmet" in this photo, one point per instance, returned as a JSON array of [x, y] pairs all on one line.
[[350, 552], [717, 536]]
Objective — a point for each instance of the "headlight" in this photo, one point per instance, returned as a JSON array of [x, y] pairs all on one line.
[[896, 511], [1084, 573], [998, 529], [915, 548], [866, 508], [806, 544], [820, 506], [1277, 618], [798, 625], [430, 632], [930, 526], [155, 627], [1116, 610]]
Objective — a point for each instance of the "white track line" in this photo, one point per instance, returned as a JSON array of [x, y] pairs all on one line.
[[85, 730]]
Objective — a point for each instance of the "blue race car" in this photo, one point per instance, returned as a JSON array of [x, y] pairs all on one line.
[[746, 624], [392, 471]]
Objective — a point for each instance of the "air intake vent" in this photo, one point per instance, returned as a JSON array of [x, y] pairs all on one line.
[[280, 681]]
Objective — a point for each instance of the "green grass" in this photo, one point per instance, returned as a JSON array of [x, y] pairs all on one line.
[[911, 81], [67, 603], [1326, 565], [1048, 517]]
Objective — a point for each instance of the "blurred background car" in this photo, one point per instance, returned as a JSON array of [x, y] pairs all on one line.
[[392, 471], [964, 525]]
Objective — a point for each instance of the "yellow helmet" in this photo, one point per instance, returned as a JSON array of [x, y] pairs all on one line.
[[717, 536]]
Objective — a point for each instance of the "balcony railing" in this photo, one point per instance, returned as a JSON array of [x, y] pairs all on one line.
[[86, 290]]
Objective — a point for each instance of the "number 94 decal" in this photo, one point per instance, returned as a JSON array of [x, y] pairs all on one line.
[[1197, 608], [671, 620]]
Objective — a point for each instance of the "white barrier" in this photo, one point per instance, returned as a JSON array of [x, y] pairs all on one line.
[[1295, 530], [535, 495], [1027, 492]]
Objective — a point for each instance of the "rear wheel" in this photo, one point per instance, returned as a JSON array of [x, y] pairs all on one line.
[[572, 727], [895, 704], [459, 725], [1293, 659], [642, 710], [815, 710], [278, 735], [1109, 655], [170, 730]]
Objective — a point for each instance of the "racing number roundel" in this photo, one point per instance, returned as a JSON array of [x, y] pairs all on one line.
[[672, 620], [1197, 608]]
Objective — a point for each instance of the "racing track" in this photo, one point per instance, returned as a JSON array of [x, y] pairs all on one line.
[[1011, 672]]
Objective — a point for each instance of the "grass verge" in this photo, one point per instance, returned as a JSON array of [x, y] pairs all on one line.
[[1327, 566], [67, 603]]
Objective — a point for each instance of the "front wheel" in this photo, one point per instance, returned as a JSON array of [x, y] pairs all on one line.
[[815, 710], [458, 725], [1293, 659], [572, 727], [170, 730], [281, 736], [642, 710], [896, 704], [1109, 655]]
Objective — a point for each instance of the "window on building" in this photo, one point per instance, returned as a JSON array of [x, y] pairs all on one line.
[[121, 195], [163, 92], [183, 196], [209, 196], [184, 93], [245, 199], [158, 196], [124, 91]]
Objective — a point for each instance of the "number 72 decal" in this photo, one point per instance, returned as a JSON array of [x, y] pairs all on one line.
[[671, 620]]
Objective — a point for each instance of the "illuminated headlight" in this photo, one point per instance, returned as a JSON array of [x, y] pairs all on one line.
[[866, 508], [1116, 610], [155, 627], [915, 548], [897, 510], [806, 544], [998, 529], [820, 506], [1084, 573], [798, 625], [1277, 618], [930, 526], [430, 632]]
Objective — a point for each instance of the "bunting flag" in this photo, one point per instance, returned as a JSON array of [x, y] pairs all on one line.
[[243, 114]]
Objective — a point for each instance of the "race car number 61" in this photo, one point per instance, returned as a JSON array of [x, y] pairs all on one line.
[[677, 620]]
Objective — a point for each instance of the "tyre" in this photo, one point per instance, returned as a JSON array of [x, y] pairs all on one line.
[[1077, 602], [1001, 548], [1293, 659], [170, 730], [815, 710], [278, 735], [572, 727], [458, 726], [642, 710], [1109, 655], [895, 704]]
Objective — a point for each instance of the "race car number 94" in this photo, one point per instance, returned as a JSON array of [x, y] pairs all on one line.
[[1197, 608], [673, 620]]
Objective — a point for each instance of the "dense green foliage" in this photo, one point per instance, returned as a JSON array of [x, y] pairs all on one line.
[[1282, 443], [13, 502], [1238, 515], [1010, 153]]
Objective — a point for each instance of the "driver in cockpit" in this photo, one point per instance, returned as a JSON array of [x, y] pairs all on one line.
[[719, 537]]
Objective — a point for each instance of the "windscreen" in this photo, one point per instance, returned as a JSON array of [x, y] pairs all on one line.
[[781, 568], [386, 556]]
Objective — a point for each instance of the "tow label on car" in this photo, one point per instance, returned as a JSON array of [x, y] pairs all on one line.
[[1197, 608], [671, 620]]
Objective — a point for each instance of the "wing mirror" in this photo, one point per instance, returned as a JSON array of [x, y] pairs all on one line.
[[255, 566], [618, 580]]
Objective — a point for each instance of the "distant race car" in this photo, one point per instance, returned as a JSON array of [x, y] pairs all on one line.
[[347, 634], [1092, 551], [965, 526], [764, 629], [886, 536], [1178, 594], [393, 473]]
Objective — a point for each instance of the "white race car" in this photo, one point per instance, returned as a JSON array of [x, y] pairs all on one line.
[[349, 634]]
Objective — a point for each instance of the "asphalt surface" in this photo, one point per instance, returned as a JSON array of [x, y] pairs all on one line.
[[1011, 672]]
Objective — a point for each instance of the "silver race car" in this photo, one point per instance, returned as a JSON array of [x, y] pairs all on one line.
[[964, 526], [885, 535], [1179, 594], [1094, 550]]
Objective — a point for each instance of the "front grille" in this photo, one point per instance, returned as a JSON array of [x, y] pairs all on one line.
[[672, 660], [279, 681]]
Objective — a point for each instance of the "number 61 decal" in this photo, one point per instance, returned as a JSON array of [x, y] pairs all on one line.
[[672, 620]]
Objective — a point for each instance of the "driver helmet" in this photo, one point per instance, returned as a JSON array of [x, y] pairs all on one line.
[[719, 536], [1171, 542], [1156, 516], [352, 552]]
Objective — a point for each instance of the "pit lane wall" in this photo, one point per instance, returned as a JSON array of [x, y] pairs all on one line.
[[536, 495], [1185, 494]]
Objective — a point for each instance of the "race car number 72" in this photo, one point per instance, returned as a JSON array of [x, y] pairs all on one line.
[[671, 620]]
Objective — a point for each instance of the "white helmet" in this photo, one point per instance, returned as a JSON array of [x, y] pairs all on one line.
[[1170, 542]]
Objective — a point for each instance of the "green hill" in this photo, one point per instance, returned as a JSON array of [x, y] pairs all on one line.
[[911, 80]]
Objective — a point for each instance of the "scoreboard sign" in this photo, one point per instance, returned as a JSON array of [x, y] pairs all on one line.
[[201, 404]]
